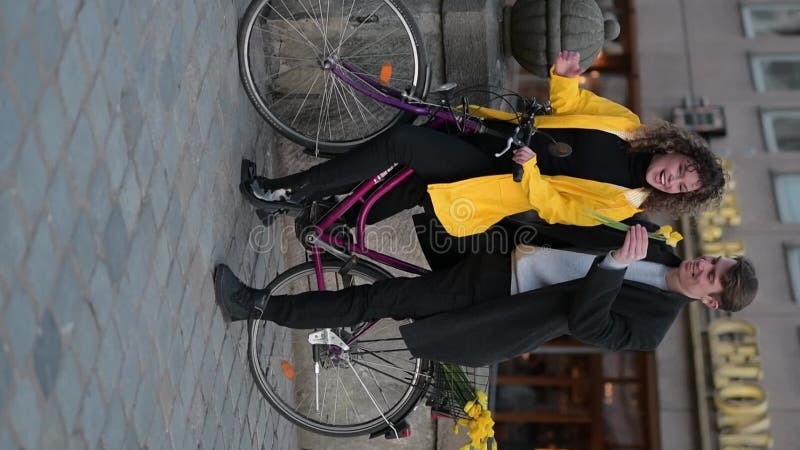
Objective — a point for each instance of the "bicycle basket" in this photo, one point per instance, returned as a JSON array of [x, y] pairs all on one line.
[[453, 386]]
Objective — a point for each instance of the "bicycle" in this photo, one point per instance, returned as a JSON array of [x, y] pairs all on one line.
[[367, 364], [287, 52]]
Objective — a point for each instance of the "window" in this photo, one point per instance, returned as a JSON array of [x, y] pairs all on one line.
[[771, 19], [776, 72], [787, 194], [781, 129], [793, 262], [575, 400]]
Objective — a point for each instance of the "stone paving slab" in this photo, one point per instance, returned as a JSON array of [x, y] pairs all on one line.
[[122, 124]]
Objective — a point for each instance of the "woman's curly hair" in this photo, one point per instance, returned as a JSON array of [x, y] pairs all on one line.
[[663, 137]]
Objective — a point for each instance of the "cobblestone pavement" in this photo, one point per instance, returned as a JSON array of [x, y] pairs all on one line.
[[122, 124]]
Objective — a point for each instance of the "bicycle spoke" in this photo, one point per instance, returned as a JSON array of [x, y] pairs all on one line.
[[389, 366], [365, 20], [300, 108], [388, 375], [339, 107], [366, 390], [380, 340], [328, 100], [344, 25], [347, 394], [282, 35], [336, 398], [375, 55], [361, 106], [316, 23], [344, 100], [327, 18], [380, 389], [308, 41], [374, 43], [271, 76], [327, 108], [319, 117], [289, 58], [377, 327], [324, 396], [295, 90]]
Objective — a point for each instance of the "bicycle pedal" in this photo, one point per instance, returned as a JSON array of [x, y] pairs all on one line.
[[402, 427]]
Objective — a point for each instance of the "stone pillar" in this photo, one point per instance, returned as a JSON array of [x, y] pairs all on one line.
[[473, 44]]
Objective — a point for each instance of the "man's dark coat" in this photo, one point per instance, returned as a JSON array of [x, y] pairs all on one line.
[[601, 309]]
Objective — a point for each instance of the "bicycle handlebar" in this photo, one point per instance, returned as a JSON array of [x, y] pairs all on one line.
[[525, 131], [522, 135]]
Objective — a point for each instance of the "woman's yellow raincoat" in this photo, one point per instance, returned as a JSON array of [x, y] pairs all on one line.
[[471, 206]]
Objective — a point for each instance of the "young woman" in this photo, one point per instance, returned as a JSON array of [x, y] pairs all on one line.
[[618, 167]]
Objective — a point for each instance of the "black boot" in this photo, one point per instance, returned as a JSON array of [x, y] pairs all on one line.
[[237, 301], [268, 193]]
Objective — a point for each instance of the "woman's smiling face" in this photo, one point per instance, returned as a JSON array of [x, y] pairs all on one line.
[[673, 173]]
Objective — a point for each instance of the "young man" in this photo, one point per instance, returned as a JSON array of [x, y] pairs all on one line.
[[490, 307]]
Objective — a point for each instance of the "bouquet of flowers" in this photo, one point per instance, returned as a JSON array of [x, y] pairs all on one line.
[[465, 397], [663, 234]]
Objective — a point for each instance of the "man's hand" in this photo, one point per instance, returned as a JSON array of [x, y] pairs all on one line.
[[635, 246], [523, 155], [568, 64]]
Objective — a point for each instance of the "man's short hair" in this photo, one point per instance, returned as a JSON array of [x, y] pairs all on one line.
[[739, 286]]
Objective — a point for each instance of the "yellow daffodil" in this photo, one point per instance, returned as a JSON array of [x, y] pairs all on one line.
[[673, 239], [665, 231], [479, 423], [483, 400]]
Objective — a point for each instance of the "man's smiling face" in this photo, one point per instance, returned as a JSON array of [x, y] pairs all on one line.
[[701, 278]]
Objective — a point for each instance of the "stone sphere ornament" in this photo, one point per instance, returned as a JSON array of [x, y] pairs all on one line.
[[535, 31]]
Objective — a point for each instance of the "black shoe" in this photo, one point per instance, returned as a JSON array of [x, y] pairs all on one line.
[[237, 301], [264, 193]]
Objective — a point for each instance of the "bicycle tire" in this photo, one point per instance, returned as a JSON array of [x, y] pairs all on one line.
[[301, 48], [288, 396]]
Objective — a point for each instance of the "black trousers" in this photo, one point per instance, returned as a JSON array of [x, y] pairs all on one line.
[[475, 279], [435, 156]]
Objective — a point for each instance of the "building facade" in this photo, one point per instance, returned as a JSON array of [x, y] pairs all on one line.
[[730, 70], [745, 58]]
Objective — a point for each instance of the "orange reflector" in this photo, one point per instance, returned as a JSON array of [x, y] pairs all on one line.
[[386, 73], [287, 369]]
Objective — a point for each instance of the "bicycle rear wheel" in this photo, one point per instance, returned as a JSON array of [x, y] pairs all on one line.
[[283, 49], [376, 370]]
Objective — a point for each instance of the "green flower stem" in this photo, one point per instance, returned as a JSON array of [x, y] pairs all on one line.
[[458, 383], [611, 223]]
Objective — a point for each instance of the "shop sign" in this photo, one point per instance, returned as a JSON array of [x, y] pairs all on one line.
[[739, 398]]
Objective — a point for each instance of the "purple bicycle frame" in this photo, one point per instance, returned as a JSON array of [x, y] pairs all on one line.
[[396, 99], [364, 191]]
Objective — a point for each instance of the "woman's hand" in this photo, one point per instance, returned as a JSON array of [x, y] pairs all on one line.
[[568, 64], [635, 246], [522, 155]]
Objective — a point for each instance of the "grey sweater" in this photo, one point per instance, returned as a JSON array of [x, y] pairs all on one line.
[[535, 267]]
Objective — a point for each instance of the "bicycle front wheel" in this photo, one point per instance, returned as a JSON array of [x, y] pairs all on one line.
[[355, 391], [285, 50]]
